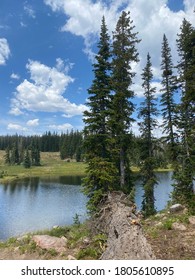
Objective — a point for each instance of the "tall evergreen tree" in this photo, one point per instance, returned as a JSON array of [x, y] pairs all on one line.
[[167, 99], [27, 161], [99, 178], [7, 156], [35, 152], [124, 55], [15, 157], [184, 174], [148, 113]]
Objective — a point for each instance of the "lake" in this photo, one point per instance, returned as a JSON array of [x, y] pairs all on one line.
[[40, 203]]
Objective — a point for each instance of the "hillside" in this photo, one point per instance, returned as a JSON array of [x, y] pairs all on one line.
[[51, 165]]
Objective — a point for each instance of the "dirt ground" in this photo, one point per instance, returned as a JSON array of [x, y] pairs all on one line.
[[168, 243]]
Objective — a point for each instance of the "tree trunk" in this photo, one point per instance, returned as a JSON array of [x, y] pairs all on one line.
[[120, 221]]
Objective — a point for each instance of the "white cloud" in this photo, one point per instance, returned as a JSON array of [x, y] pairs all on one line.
[[44, 92], [151, 19], [34, 122], [29, 11], [15, 76], [84, 18], [17, 127], [22, 24], [4, 51], [61, 127]]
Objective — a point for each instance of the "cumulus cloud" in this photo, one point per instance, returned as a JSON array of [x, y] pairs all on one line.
[[44, 92], [151, 18], [33, 123], [15, 76], [4, 51], [17, 127], [61, 127]]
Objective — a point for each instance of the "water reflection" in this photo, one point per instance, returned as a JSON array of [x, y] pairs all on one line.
[[35, 204], [161, 192], [38, 203]]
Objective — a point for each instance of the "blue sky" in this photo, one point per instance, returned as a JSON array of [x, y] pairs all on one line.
[[47, 48]]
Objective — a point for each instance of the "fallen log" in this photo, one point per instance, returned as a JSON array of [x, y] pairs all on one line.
[[119, 219]]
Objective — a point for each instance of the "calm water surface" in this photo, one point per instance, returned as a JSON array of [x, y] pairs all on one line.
[[36, 203]]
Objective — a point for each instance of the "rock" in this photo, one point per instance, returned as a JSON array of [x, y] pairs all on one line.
[[192, 220], [50, 242], [178, 226], [176, 208], [160, 215], [55, 227], [86, 241], [71, 258], [65, 239]]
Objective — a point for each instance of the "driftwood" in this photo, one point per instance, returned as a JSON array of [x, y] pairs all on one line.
[[119, 219]]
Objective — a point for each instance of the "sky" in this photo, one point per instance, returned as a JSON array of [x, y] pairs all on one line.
[[47, 48]]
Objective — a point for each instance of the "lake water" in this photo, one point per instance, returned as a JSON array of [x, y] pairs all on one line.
[[41, 203]]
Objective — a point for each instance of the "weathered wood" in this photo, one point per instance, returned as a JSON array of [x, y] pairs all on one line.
[[120, 221]]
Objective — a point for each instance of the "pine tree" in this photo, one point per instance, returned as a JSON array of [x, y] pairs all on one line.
[[148, 113], [27, 162], [167, 99], [35, 153], [100, 171], [7, 156], [184, 173], [14, 157], [124, 55]]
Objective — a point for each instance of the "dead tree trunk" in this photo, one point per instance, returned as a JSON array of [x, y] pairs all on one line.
[[120, 221]]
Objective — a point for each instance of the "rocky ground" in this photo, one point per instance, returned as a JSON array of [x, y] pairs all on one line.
[[171, 235]]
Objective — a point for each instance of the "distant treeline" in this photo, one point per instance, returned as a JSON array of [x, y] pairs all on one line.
[[69, 144]]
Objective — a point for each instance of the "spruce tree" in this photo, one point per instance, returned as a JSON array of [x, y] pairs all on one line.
[[100, 171], [7, 156], [184, 173], [27, 162], [167, 99], [35, 152], [148, 113], [124, 55]]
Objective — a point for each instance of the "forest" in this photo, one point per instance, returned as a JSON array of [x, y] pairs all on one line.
[[20, 149], [107, 143]]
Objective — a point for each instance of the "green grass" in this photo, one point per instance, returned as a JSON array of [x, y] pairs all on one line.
[[51, 165]]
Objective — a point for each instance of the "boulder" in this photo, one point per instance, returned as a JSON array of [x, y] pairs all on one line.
[[50, 242], [176, 208], [192, 220], [178, 226]]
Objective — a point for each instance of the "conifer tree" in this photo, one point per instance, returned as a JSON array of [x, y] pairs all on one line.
[[27, 161], [35, 153], [167, 99], [14, 157], [148, 112], [124, 55], [100, 171], [7, 156], [184, 173]]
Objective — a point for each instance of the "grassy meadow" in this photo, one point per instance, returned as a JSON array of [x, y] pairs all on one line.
[[51, 165]]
